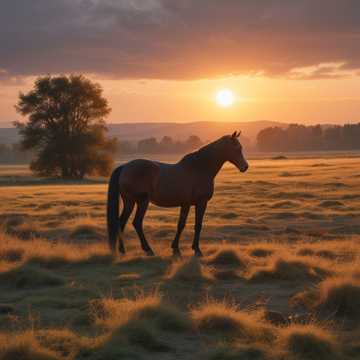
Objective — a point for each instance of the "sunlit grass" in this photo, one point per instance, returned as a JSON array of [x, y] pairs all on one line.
[[280, 242]]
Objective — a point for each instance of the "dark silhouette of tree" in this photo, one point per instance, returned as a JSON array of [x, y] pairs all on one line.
[[66, 127]]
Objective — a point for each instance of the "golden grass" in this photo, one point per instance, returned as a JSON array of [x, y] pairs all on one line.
[[58, 278], [290, 269], [14, 250], [227, 320], [138, 321], [341, 297], [65, 343], [343, 251], [30, 277], [337, 296], [24, 346], [85, 228], [113, 313], [263, 250], [228, 255], [189, 271]]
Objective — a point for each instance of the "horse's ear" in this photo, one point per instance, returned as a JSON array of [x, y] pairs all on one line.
[[234, 135], [239, 133]]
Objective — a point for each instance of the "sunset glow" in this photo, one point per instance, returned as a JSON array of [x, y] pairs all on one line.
[[167, 70], [225, 97]]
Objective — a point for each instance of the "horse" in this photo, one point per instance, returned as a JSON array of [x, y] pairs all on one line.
[[189, 182]]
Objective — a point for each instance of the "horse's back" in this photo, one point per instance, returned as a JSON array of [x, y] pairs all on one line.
[[138, 178], [163, 184], [174, 186]]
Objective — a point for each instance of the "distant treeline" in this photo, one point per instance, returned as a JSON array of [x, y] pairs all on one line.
[[12, 154], [165, 146], [309, 138], [292, 138]]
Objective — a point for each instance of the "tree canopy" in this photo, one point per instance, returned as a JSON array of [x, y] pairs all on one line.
[[66, 127]]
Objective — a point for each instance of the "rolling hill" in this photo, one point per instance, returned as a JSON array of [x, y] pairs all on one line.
[[206, 130]]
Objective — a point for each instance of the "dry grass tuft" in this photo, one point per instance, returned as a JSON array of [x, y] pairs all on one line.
[[292, 269], [190, 271], [309, 342], [226, 319], [344, 250], [127, 341], [24, 346], [262, 250], [111, 313], [341, 297], [228, 256], [141, 333], [30, 277], [64, 342], [83, 228], [136, 322], [335, 296], [46, 253]]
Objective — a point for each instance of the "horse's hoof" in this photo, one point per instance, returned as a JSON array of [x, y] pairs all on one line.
[[177, 254], [198, 253], [149, 252]]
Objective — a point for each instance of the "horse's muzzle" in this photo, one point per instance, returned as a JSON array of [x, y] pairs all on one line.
[[244, 168]]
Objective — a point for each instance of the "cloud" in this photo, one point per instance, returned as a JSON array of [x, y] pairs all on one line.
[[177, 39]]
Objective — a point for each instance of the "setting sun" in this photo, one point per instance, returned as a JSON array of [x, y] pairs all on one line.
[[225, 97]]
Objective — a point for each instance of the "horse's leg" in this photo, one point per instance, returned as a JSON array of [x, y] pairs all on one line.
[[142, 206], [199, 216], [184, 211], [124, 217]]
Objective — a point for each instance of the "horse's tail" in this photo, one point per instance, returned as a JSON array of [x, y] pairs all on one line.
[[113, 208]]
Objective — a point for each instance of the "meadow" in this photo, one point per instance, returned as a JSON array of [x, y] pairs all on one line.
[[280, 278]]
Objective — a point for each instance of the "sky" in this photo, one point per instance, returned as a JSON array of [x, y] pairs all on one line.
[[165, 60]]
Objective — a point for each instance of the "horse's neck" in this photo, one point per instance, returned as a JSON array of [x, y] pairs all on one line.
[[216, 164], [208, 160]]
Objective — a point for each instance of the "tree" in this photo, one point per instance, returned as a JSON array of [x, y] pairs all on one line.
[[148, 146], [66, 127], [166, 144], [193, 142]]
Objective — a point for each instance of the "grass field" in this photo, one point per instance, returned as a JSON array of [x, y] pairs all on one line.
[[280, 278]]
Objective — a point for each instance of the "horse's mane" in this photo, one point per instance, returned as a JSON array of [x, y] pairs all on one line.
[[203, 156]]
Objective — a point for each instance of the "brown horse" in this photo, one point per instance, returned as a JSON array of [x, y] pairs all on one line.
[[186, 183]]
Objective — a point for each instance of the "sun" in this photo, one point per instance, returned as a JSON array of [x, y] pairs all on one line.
[[225, 97]]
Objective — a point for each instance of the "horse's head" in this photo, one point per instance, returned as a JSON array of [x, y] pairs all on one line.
[[233, 151]]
